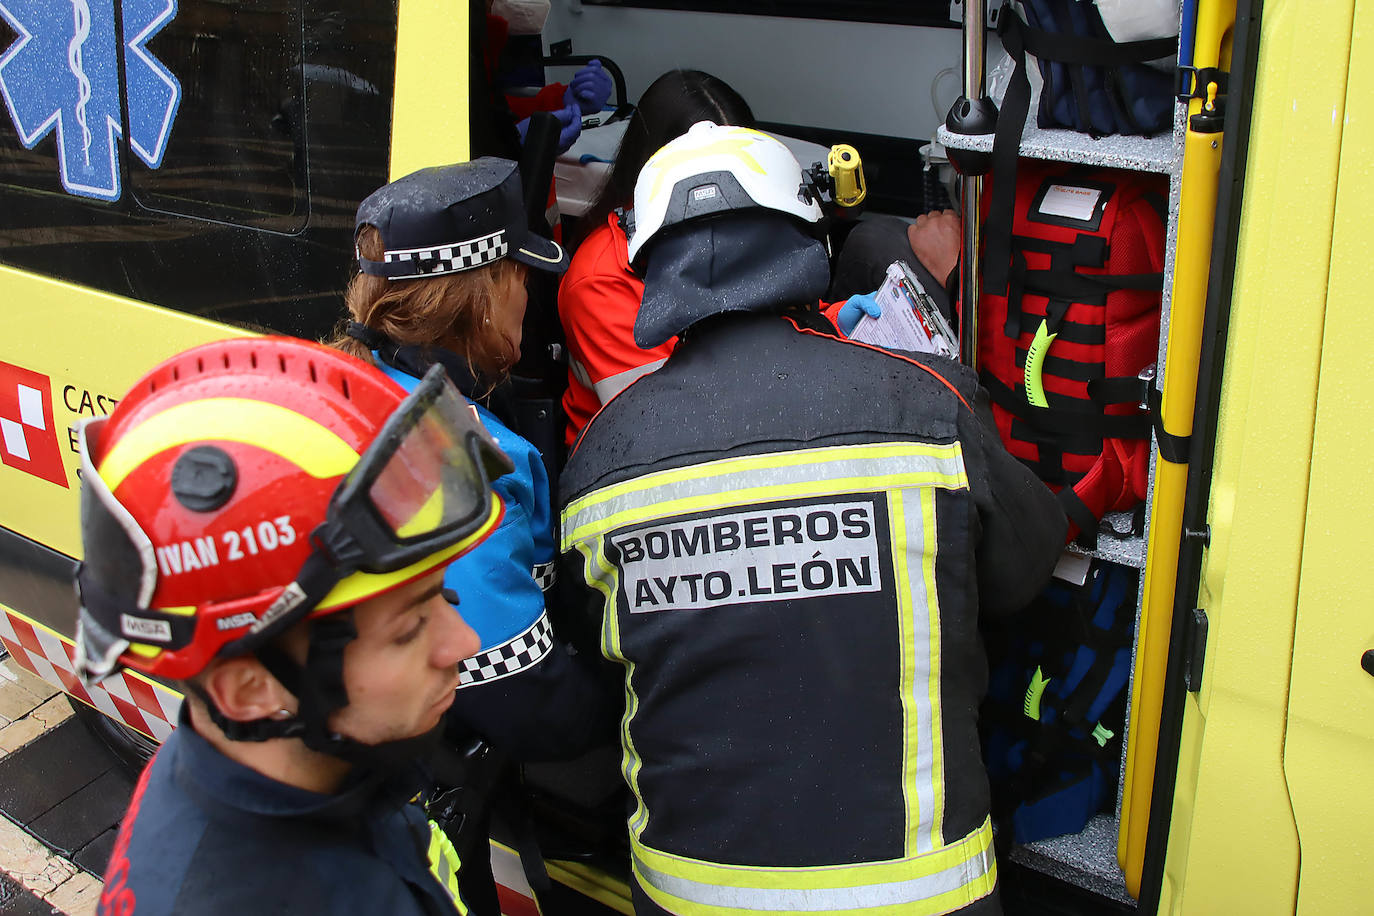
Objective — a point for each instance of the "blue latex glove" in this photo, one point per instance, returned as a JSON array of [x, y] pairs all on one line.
[[590, 89], [856, 307], [570, 119]]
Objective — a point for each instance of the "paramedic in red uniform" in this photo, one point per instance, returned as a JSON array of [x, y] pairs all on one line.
[[790, 538], [600, 295], [266, 523]]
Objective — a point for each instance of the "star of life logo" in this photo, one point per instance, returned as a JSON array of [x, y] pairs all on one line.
[[28, 440], [62, 74]]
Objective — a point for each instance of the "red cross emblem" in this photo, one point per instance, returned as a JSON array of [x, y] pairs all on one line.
[[28, 440]]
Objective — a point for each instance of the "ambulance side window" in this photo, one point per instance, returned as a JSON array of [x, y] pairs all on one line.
[[211, 162], [236, 152], [263, 83]]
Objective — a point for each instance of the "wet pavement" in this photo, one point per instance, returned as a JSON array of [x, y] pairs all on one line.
[[17, 900], [62, 794]]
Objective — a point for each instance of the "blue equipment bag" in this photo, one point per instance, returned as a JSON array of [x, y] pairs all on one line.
[[1091, 84], [1055, 710]]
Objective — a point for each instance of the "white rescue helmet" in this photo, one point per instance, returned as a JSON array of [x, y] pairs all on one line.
[[711, 170]]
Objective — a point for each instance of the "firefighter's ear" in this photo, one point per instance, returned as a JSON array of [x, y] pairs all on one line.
[[244, 690]]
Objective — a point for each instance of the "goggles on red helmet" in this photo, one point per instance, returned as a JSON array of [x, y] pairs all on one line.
[[421, 488]]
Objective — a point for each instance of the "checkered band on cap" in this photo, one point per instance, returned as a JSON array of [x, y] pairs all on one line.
[[506, 659], [450, 258]]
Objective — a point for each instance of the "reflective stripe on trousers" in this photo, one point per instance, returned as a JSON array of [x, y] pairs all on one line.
[[923, 885]]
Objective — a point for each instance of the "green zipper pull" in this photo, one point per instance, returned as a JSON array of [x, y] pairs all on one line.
[[1035, 364], [1031, 706]]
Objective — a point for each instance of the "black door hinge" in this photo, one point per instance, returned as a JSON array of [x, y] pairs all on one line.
[[1194, 649]]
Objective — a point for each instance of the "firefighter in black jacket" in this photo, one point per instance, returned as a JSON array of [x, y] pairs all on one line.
[[266, 523], [790, 538]]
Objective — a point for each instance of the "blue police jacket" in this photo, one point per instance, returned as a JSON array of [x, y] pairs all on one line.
[[500, 583], [522, 692]]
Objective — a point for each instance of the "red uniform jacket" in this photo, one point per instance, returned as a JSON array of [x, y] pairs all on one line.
[[597, 303]]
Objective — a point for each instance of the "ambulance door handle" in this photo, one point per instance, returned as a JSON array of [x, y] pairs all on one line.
[[1367, 662]]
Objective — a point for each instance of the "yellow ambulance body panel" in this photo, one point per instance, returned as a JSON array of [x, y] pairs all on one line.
[[1272, 790], [429, 114], [91, 346], [1329, 749]]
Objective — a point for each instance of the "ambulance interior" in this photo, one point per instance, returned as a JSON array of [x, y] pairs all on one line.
[[801, 77], [878, 74], [824, 75]]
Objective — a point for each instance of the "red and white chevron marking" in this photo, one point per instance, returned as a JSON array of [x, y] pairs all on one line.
[[139, 703]]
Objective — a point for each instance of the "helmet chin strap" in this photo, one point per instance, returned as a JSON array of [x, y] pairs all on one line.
[[319, 687]]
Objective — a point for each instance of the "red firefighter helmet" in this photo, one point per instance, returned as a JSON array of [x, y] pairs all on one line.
[[247, 483]]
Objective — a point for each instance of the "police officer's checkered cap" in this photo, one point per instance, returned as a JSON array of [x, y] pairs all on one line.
[[453, 218]]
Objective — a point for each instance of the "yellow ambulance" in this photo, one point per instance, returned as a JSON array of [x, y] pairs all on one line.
[[174, 171]]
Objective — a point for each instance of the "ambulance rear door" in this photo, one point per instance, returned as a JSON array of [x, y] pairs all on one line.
[[1328, 753]]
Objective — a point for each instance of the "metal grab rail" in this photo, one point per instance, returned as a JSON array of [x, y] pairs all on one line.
[[973, 114], [974, 88]]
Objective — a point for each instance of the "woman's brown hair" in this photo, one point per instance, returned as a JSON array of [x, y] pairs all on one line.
[[454, 311]]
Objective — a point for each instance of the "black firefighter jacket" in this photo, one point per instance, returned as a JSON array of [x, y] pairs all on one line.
[[790, 538]]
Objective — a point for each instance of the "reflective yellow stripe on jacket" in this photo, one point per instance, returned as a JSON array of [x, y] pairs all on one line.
[[755, 478], [933, 876], [922, 885]]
